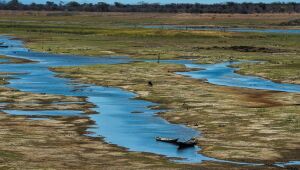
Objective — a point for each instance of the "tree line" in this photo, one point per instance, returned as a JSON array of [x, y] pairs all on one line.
[[229, 7]]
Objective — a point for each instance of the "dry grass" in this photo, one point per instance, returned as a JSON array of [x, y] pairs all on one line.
[[172, 18]]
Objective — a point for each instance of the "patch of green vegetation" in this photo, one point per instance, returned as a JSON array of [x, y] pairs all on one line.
[[294, 22], [9, 155], [283, 70], [291, 122]]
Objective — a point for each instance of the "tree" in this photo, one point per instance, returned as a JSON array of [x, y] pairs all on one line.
[[73, 6], [13, 5], [118, 4], [229, 7], [102, 7], [50, 6]]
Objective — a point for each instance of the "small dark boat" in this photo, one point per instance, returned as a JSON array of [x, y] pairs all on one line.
[[167, 140], [181, 145], [189, 143], [3, 46]]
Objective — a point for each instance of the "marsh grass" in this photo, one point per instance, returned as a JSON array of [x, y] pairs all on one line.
[[8, 155]]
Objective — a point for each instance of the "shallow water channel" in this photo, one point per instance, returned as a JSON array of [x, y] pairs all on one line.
[[223, 74], [2, 60], [224, 29], [116, 120]]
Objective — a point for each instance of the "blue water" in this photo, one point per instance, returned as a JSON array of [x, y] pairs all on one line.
[[114, 120], [290, 163], [223, 74], [179, 27], [3, 60], [39, 119]]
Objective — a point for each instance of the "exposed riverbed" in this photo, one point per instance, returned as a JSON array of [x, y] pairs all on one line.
[[224, 29], [118, 122]]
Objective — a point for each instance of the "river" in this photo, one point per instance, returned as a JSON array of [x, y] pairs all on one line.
[[116, 119]]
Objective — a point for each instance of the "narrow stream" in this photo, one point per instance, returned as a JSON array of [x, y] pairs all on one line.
[[117, 120], [229, 29], [3, 60], [224, 75]]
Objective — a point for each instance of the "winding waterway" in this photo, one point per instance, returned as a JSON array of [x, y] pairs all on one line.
[[117, 123], [116, 119], [223, 74]]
